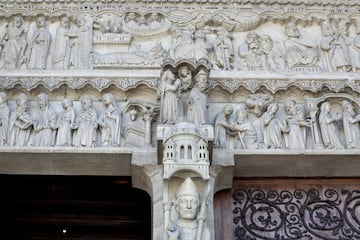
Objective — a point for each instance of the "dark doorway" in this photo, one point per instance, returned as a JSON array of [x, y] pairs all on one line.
[[73, 207]]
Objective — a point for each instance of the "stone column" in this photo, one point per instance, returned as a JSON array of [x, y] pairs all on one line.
[[148, 118]]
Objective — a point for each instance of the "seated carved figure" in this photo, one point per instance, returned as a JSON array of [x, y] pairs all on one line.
[[299, 51], [190, 223], [250, 52]]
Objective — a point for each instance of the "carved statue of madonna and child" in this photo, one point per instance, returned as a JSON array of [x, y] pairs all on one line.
[[184, 95]]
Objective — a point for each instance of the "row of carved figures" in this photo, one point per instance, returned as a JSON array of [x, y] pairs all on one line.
[[45, 128], [20, 51], [272, 131], [334, 50], [268, 129]]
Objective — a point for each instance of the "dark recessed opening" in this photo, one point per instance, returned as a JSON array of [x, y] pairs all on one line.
[[73, 207]]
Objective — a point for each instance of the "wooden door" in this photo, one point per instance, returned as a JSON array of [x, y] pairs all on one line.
[[68, 207]]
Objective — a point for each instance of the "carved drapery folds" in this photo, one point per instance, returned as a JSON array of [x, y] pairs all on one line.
[[233, 41], [329, 122]]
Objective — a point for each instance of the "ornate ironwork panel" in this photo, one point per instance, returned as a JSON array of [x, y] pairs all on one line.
[[300, 214]]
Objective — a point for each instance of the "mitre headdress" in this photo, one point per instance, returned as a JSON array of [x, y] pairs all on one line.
[[187, 188]]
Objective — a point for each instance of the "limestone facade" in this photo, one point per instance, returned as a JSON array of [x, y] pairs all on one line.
[[177, 93]]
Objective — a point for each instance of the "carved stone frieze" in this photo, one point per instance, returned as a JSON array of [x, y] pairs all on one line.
[[246, 40]]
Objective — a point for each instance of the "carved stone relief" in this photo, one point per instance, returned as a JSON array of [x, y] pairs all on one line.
[[236, 41]]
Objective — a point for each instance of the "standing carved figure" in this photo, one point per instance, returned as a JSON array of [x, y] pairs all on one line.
[[39, 47], [223, 48], [14, 44], [245, 130], [351, 125], [44, 123], [61, 54], [66, 124], [272, 127], [198, 100], [296, 134], [4, 120], [80, 44], [354, 48], [110, 122], [170, 103], [341, 58], [327, 45], [87, 124], [328, 128], [190, 225], [21, 122], [185, 76], [223, 126]]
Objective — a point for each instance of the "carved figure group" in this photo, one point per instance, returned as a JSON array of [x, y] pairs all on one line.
[[183, 97], [44, 127], [289, 129], [64, 42], [70, 46]]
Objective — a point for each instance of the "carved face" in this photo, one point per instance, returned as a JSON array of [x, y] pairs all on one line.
[[85, 104], [228, 110], [42, 101], [290, 107], [241, 116], [40, 22], [133, 114], [325, 107], [131, 17], [201, 82], [292, 30], [66, 103], [65, 22], [18, 21], [187, 207], [273, 108], [343, 29], [106, 100], [155, 17], [252, 39], [266, 42]]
